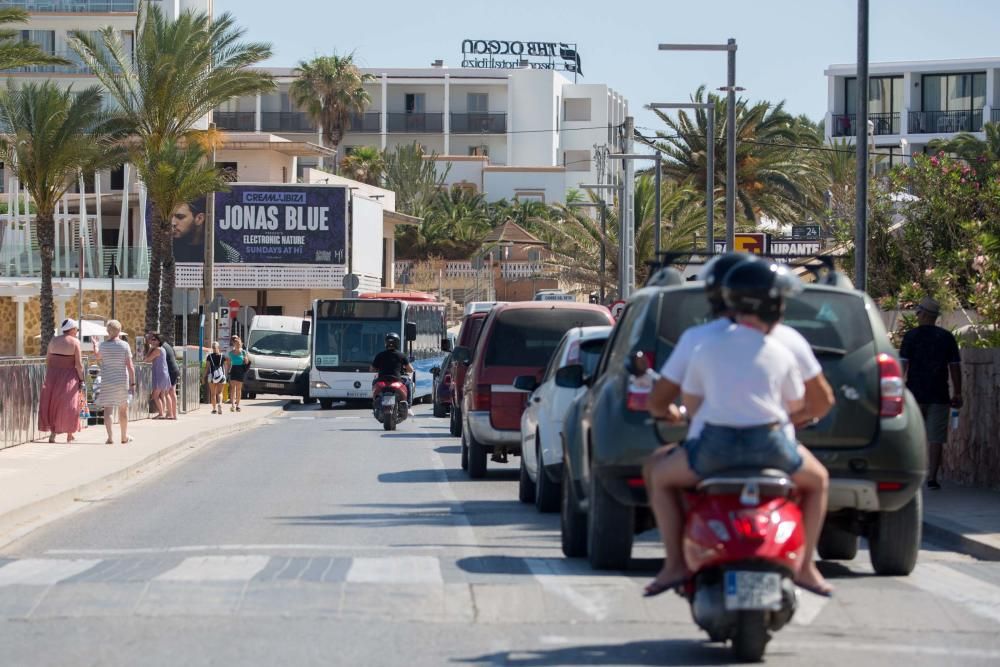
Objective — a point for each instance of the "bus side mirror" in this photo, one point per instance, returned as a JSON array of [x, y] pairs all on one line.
[[411, 331], [446, 345], [306, 327]]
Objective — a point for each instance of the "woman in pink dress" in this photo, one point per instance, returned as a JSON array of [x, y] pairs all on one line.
[[59, 407]]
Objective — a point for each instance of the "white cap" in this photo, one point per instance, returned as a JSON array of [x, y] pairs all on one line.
[[68, 324]]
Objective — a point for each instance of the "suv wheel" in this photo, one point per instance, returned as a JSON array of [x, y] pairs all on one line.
[[439, 409], [572, 521], [836, 543], [525, 487], [894, 539], [610, 529], [455, 423], [465, 455], [546, 491], [476, 455]]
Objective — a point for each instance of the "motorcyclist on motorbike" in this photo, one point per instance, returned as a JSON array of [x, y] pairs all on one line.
[[744, 387], [391, 363]]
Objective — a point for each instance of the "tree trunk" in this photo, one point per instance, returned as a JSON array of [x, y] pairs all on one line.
[[168, 279], [155, 269], [46, 245]]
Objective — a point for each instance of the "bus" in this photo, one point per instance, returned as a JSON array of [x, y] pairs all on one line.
[[346, 334]]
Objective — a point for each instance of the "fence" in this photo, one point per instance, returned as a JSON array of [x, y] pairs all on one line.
[[972, 456], [20, 389], [189, 398]]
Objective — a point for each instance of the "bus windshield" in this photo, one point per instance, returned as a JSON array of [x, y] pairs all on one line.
[[351, 342]]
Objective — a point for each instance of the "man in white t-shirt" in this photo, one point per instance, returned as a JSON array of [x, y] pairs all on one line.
[[745, 391]]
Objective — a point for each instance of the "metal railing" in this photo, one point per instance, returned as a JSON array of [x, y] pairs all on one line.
[[370, 121], [286, 121], [942, 122], [415, 122], [73, 6], [20, 391], [884, 123], [73, 67], [478, 122], [189, 397], [235, 121], [19, 261]]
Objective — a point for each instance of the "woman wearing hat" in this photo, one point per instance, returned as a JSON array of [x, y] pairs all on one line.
[[59, 405]]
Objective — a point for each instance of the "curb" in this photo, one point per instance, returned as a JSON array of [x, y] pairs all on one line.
[[19, 522], [952, 535]]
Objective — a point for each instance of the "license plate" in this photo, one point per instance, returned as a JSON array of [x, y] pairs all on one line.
[[388, 399], [274, 385], [753, 590]]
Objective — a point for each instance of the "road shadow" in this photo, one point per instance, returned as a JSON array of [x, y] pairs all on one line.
[[438, 475], [402, 435], [438, 514], [449, 449], [556, 566], [666, 652]]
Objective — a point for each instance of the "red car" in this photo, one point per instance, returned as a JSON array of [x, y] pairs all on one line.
[[468, 334], [516, 339]]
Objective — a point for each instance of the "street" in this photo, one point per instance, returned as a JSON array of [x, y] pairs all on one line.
[[318, 538]]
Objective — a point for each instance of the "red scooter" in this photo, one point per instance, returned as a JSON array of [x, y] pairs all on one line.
[[390, 401]]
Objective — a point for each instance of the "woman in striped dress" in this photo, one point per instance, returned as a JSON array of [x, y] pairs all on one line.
[[117, 379]]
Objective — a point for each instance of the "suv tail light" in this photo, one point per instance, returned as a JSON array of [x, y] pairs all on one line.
[[447, 379], [891, 386], [481, 398]]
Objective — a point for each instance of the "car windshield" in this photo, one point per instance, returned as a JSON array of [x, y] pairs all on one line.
[[528, 337], [279, 344], [833, 322]]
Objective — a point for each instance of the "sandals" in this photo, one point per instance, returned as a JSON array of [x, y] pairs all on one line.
[[823, 593], [656, 587], [109, 441], [127, 440]]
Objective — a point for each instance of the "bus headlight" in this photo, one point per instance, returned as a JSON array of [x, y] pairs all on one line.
[[318, 384]]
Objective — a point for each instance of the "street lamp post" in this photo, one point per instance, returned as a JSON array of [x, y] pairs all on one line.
[[861, 146], [730, 48], [113, 273], [604, 234]]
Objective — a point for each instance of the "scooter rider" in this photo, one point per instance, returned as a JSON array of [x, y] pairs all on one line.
[[745, 391], [392, 363]]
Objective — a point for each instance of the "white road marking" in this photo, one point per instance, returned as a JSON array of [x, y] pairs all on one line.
[[216, 568], [810, 606], [301, 419], [949, 653], [591, 600], [979, 597], [397, 570], [42, 571], [197, 548]]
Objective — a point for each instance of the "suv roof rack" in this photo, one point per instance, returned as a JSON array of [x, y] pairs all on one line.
[[822, 267]]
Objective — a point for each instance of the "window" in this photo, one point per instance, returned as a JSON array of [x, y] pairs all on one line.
[[229, 170], [529, 337], [885, 94], [45, 39], [576, 109], [481, 151], [954, 92], [577, 160], [477, 102], [118, 178], [529, 195], [415, 102]]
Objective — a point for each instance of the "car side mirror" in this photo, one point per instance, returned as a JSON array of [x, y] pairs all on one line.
[[446, 345], [411, 331], [436, 371], [526, 383], [570, 377], [306, 327], [637, 364], [462, 355]]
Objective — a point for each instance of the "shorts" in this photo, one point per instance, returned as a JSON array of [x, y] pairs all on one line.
[[720, 448], [936, 421], [237, 373]]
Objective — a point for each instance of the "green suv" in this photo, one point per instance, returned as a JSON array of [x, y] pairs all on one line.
[[872, 441]]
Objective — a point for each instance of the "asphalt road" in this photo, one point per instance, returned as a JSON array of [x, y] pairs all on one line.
[[320, 539]]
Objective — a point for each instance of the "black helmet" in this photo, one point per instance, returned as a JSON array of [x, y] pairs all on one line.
[[713, 273], [392, 341], [760, 288]]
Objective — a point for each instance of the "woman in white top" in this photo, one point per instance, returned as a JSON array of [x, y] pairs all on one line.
[[117, 380]]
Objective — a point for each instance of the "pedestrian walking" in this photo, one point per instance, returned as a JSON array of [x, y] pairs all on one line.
[[215, 377], [117, 380], [174, 371], [59, 404], [161, 377], [930, 355], [239, 362]]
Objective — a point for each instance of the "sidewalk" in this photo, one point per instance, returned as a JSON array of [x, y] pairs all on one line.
[[39, 478], [964, 519]]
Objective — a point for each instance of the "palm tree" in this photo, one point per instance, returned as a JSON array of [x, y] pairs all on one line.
[[329, 89], [53, 136], [365, 164], [16, 52], [180, 71], [414, 178], [969, 147], [772, 178]]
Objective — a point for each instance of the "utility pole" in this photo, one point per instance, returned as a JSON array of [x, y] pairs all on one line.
[[658, 212], [627, 281], [208, 268], [730, 147], [861, 146]]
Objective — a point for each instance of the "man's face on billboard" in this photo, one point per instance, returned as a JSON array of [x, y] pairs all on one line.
[[186, 225]]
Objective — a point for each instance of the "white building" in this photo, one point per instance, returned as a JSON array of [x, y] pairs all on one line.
[[913, 103], [512, 134]]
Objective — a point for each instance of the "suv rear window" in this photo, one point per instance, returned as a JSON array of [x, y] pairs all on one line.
[[470, 333], [528, 337], [833, 322]]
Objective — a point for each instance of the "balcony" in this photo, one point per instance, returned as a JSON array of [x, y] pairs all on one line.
[[74, 6], [416, 122], [74, 67], [20, 261], [286, 121], [942, 122], [885, 123], [370, 122], [235, 121], [478, 123]]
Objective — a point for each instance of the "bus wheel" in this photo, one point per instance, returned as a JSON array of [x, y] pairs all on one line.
[[326, 403]]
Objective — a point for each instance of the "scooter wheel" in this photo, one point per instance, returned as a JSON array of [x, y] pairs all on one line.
[[751, 636]]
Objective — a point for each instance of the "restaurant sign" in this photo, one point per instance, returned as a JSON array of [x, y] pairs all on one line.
[[502, 54]]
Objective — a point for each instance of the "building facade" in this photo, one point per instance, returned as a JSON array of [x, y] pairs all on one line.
[[913, 103]]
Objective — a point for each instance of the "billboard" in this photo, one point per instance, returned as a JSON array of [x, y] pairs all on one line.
[[266, 224], [763, 244]]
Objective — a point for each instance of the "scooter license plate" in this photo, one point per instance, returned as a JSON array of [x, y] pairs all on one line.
[[388, 399], [753, 590]]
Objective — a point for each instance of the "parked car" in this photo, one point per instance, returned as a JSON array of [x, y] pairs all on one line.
[[542, 421], [516, 339], [872, 441], [441, 388], [468, 334]]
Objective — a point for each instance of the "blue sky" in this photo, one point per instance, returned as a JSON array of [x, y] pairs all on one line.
[[784, 45]]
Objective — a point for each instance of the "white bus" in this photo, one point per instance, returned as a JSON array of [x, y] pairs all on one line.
[[346, 334]]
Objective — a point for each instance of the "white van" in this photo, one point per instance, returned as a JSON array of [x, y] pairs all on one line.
[[279, 356]]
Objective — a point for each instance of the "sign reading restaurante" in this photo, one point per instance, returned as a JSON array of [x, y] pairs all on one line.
[[502, 54]]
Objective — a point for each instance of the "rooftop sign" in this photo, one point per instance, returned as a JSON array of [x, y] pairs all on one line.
[[501, 54]]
